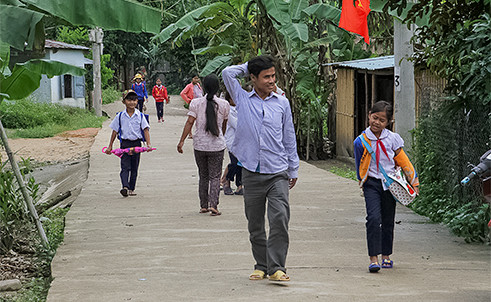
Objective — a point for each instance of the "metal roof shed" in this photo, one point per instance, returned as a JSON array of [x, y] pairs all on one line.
[[360, 83]]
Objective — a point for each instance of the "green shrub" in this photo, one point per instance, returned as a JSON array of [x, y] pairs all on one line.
[[445, 142], [38, 120], [13, 210], [110, 95], [27, 114]]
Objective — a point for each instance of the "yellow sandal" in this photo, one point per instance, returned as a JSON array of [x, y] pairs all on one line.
[[279, 276], [257, 275]]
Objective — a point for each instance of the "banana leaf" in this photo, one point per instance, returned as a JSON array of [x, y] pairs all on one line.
[[218, 63], [125, 15], [17, 25], [25, 77], [20, 24]]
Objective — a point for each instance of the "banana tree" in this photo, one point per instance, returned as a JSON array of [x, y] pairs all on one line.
[[228, 26]]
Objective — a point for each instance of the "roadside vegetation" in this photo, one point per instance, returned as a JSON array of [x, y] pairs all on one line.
[[344, 171], [110, 95], [454, 128], [28, 119], [22, 255]]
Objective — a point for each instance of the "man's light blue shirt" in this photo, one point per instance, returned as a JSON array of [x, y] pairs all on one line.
[[265, 136]]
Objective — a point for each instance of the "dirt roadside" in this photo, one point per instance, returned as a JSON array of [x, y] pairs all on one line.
[[65, 147], [60, 162]]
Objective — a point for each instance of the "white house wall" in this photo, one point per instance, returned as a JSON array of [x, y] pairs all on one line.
[[68, 56], [43, 93]]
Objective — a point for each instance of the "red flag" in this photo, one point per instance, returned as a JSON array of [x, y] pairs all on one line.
[[354, 18]]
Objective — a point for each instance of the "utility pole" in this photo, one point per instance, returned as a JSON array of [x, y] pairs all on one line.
[[95, 36], [404, 88]]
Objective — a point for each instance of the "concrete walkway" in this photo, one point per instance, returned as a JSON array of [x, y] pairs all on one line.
[[156, 247]]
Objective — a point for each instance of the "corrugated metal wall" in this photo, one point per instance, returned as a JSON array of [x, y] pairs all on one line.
[[345, 112]]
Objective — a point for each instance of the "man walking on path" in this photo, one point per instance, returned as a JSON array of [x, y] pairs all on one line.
[[265, 145]]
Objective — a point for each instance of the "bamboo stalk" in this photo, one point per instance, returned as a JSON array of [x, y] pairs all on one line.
[[23, 188]]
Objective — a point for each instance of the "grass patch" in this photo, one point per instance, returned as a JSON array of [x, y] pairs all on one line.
[[29, 119], [344, 171], [35, 290], [110, 95], [54, 224]]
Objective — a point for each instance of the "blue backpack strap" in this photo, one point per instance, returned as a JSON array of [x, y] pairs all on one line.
[[142, 131], [366, 144], [119, 131], [388, 180]]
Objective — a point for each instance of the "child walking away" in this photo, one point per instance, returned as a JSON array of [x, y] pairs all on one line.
[[380, 204], [233, 169], [131, 127], [140, 89], [159, 93]]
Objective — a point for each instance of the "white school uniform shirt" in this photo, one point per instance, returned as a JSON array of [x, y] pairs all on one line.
[[131, 126], [392, 141]]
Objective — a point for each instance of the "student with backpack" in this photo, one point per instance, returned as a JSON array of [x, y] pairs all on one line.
[[131, 127], [159, 93], [140, 88]]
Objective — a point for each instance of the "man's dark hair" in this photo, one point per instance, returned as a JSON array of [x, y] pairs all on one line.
[[260, 63]]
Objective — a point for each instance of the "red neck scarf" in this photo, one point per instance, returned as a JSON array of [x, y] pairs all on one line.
[[377, 152]]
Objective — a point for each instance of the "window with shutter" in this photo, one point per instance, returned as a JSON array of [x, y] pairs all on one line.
[[79, 87]]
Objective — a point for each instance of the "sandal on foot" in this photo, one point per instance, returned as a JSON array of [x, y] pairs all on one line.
[[228, 191], [387, 263], [214, 212], [239, 192], [257, 275], [374, 267], [124, 192], [204, 210], [131, 193], [279, 276]]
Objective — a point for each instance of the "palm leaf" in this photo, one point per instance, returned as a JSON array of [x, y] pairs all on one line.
[[278, 10], [296, 8]]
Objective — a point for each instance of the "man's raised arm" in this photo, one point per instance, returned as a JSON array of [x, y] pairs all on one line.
[[230, 75]]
